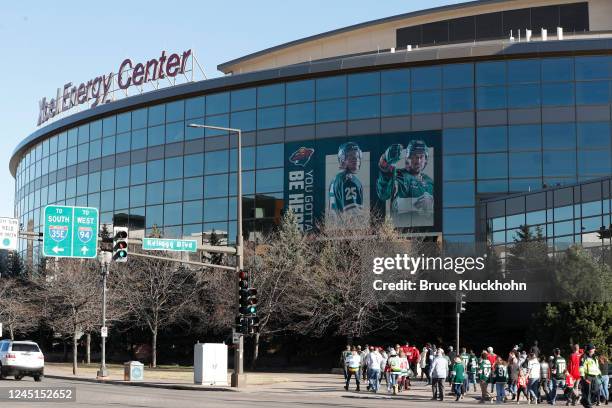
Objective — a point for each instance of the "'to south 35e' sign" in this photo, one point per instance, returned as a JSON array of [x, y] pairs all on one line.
[[98, 89]]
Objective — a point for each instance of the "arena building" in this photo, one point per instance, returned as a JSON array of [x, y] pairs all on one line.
[[437, 118]]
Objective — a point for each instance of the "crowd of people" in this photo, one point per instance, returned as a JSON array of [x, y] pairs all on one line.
[[538, 378]]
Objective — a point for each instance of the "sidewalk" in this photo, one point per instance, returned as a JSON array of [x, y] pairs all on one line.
[[171, 378]]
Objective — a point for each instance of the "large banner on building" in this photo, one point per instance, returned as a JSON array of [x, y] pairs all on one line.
[[394, 175]]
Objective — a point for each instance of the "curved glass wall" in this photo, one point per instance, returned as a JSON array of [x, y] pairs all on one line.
[[507, 126]]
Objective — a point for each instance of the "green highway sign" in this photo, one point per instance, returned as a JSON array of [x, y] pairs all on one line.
[[159, 244], [70, 232]]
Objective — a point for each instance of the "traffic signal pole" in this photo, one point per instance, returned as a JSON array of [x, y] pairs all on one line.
[[238, 376], [104, 261]]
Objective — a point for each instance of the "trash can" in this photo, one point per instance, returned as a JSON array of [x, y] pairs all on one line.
[[133, 371]]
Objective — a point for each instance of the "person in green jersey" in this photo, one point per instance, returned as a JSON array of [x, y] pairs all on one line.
[[458, 377], [409, 189], [484, 376], [346, 190], [557, 369], [500, 379], [472, 368], [465, 360]]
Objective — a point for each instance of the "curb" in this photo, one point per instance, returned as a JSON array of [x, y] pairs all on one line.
[[145, 384]]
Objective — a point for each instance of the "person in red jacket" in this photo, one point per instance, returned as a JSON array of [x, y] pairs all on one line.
[[574, 362]]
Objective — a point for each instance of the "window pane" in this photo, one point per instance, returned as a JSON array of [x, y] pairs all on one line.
[[215, 186], [193, 188], [364, 84], [458, 140], [300, 91], [559, 163], [526, 164], [524, 96], [217, 103], [458, 75], [270, 156], [122, 198], [492, 139], [458, 100], [248, 158], [123, 143], [194, 165], [139, 139], [557, 69], [492, 165], [269, 180], [426, 102], [268, 118], [155, 170], [155, 136], [155, 216], [245, 120], [215, 209], [459, 167], [215, 162], [157, 115], [595, 67], [138, 173], [271, 95], [243, 99], [155, 193], [174, 168], [192, 211], [558, 94], [175, 111], [592, 93], [594, 135], [194, 107], [334, 110], [491, 97], [108, 146], [458, 220], [300, 114], [524, 137], [395, 104], [220, 120], [173, 214], [459, 194], [334, 87], [426, 78], [522, 71], [175, 132], [593, 162], [109, 127], [396, 80], [559, 136], [122, 176], [137, 196], [173, 191], [364, 107], [139, 118], [490, 73]]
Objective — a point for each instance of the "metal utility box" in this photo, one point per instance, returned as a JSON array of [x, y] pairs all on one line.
[[210, 364], [133, 371]]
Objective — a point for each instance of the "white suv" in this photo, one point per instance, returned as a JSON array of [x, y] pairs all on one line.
[[21, 358]]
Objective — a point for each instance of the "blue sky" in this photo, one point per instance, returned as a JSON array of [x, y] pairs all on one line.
[[47, 44]]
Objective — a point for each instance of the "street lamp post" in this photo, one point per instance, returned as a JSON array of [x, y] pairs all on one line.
[[238, 377]]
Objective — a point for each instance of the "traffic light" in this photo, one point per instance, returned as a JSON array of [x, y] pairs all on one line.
[[247, 322], [242, 324], [120, 244], [461, 302], [253, 324]]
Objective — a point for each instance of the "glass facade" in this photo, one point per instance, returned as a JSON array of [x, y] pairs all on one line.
[[563, 216], [507, 126]]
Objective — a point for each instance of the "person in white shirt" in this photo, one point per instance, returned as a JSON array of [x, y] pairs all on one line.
[[533, 377], [374, 360], [354, 367], [439, 372]]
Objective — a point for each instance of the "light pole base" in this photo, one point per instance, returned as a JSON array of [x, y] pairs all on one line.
[[102, 374], [239, 380]]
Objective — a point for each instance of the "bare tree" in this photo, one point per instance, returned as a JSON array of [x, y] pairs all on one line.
[[18, 309], [155, 293], [71, 299]]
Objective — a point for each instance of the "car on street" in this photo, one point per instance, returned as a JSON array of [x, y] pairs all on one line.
[[20, 359]]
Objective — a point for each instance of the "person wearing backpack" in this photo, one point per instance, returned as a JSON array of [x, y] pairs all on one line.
[[394, 368]]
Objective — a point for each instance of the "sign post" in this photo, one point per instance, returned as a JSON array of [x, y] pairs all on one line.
[[70, 232]]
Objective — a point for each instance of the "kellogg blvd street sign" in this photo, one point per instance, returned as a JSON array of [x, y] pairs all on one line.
[[70, 232]]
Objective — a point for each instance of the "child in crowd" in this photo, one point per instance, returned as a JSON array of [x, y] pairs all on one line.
[[521, 386], [571, 394]]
